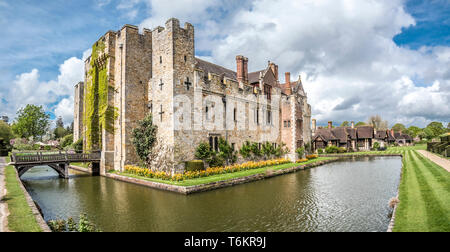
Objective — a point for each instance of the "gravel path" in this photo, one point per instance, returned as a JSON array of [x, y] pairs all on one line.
[[3, 205], [442, 162]]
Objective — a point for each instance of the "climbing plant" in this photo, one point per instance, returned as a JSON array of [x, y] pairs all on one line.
[[99, 114]]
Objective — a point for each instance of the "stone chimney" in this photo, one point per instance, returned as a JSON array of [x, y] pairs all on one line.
[[242, 68], [274, 68], [392, 132], [314, 125], [287, 77], [330, 124], [353, 124]]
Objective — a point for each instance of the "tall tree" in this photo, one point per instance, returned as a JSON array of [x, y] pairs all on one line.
[[144, 138], [434, 129], [345, 124], [399, 127], [413, 131], [31, 121], [60, 131], [360, 124], [377, 122]]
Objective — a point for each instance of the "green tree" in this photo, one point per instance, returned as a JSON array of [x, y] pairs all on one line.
[[413, 131], [144, 138], [246, 150], [32, 121], [226, 152], [360, 124], [5, 132], [434, 129], [66, 141], [399, 127], [345, 124], [203, 151]]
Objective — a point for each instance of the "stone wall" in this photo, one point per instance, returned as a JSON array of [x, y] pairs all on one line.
[[78, 111]]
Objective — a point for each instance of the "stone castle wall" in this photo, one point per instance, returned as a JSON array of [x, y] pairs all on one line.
[[78, 111], [154, 71]]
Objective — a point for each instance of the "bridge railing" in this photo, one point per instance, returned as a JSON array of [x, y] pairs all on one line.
[[54, 157]]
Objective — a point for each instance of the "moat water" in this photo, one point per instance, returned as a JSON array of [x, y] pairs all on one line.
[[349, 195]]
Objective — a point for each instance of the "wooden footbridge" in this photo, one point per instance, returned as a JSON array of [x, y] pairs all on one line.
[[57, 161]]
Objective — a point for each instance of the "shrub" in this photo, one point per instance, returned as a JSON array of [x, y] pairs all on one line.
[[226, 152], [215, 160], [300, 151], [78, 146], [320, 151], [144, 138], [194, 165], [203, 151], [332, 149], [67, 141], [376, 145], [246, 150], [255, 151]]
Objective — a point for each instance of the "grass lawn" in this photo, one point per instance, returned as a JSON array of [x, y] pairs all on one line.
[[424, 192], [84, 165], [222, 177], [21, 218]]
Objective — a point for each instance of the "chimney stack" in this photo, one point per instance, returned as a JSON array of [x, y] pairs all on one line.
[[287, 77], [392, 132], [274, 68], [330, 124], [242, 68], [314, 125], [353, 124]]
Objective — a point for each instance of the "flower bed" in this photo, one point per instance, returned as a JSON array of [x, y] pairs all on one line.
[[145, 172]]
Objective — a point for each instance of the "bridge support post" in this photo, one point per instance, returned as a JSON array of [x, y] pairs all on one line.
[[95, 169], [64, 170]]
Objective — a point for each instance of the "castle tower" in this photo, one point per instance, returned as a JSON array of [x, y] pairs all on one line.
[[172, 74], [132, 72], [78, 111]]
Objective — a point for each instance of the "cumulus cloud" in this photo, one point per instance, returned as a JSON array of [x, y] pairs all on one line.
[[55, 95], [344, 51]]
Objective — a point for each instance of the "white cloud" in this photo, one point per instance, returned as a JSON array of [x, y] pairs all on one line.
[[28, 89], [343, 49]]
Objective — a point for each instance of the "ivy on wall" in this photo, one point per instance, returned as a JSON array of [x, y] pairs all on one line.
[[99, 114]]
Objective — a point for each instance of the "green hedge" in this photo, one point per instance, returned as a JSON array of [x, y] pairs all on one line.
[[194, 165], [447, 151]]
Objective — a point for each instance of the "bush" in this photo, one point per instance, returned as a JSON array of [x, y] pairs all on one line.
[[194, 165], [246, 150], [300, 151], [67, 141], [215, 160], [144, 138], [320, 151], [376, 145], [203, 151], [332, 149], [78, 146]]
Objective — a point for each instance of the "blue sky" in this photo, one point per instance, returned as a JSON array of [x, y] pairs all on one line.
[[43, 43]]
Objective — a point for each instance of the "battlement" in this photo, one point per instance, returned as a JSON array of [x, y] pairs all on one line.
[[173, 24]]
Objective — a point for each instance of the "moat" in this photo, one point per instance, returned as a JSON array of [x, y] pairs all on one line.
[[348, 195]]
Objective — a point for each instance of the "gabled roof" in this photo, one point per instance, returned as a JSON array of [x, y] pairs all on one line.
[[208, 67], [364, 132], [253, 77], [382, 134]]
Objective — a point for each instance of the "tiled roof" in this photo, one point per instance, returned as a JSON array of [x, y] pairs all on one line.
[[208, 67], [364, 132], [254, 76]]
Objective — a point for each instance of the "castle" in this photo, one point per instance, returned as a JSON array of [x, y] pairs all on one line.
[[131, 74]]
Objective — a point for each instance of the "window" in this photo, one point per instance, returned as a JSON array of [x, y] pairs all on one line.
[[289, 123], [257, 115], [160, 59], [234, 115], [232, 146], [185, 58], [269, 116], [285, 124], [267, 91], [207, 112]]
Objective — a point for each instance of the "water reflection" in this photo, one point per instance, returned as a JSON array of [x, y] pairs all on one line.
[[345, 196]]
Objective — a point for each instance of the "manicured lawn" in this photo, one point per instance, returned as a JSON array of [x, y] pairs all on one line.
[[21, 218], [227, 176], [424, 196]]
